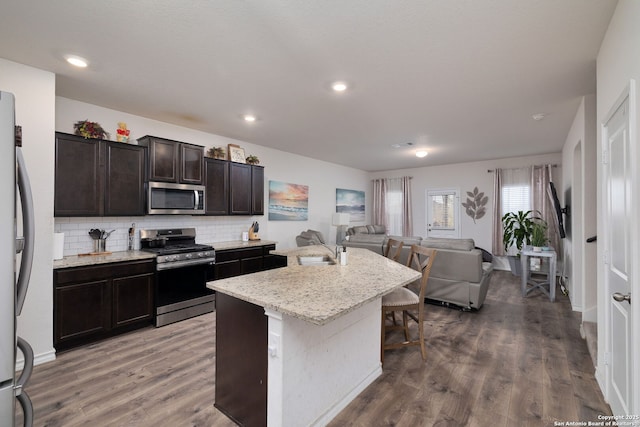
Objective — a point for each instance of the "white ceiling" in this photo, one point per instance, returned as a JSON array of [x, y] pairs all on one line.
[[461, 78]]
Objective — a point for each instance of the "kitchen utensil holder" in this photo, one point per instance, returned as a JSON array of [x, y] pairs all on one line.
[[99, 245]]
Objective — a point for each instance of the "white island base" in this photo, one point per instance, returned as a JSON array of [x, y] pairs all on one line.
[[315, 371]]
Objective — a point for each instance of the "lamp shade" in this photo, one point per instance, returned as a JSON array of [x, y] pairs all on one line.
[[340, 219]]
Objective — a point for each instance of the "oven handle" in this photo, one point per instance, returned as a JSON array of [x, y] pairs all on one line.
[[186, 263]]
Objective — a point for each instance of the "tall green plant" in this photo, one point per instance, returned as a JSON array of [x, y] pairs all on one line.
[[518, 228], [539, 233]]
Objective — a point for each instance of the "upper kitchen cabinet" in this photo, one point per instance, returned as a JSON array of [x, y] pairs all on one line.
[[240, 194], [246, 189], [257, 190], [216, 187], [124, 179], [98, 178], [174, 161]]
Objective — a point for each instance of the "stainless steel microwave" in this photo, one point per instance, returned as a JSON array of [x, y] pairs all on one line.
[[175, 199]]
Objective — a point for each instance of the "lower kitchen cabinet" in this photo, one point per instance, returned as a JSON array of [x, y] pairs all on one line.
[[96, 302], [235, 262]]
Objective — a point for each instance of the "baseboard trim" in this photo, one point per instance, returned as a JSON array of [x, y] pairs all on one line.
[[334, 410], [47, 356]]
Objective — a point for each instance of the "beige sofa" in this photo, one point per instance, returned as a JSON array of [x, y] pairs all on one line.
[[458, 276]]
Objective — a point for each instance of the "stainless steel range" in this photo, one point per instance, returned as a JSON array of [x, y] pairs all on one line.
[[182, 265]]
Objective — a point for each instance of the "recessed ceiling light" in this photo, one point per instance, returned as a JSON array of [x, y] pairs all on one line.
[[421, 153], [77, 61], [249, 118], [539, 116], [339, 86]]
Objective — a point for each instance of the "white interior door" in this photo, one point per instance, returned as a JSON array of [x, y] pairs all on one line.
[[443, 212], [619, 270]]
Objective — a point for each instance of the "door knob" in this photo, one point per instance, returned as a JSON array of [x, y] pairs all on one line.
[[619, 297]]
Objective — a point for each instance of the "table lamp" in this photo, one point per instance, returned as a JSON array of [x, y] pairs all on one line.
[[340, 220]]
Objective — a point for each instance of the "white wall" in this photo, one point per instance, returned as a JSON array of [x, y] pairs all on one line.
[[617, 63], [465, 176], [322, 178], [579, 180], [35, 111]]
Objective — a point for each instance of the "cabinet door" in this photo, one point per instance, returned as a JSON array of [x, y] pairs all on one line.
[[163, 159], [257, 190], [227, 264], [239, 189], [81, 312], [216, 187], [132, 299], [191, 164], [78, 176], [124, 183]]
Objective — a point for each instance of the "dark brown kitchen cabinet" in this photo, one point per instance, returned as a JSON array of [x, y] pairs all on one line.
[[174, 161], [78, 176], [216, 187], [124, 179], [235, 262], [239, 189], [95, 302], [246, 189], [95, 177], [257, 190]]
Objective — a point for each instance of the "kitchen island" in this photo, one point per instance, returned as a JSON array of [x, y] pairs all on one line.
[[295, 345]]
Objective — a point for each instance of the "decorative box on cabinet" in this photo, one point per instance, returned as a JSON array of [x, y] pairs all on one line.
[[174, 161], [95, 177], [96, 302]]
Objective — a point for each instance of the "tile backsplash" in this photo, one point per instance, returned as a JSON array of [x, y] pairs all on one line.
[[208, 229]]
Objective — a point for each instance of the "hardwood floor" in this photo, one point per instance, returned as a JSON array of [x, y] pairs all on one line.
[[515, 362]]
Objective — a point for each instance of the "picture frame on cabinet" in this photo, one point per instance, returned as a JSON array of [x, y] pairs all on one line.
[[236, 154]]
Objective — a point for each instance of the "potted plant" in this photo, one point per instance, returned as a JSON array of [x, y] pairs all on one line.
[[252, 160], [517, 230], [539, 235], [217, 153], [88, 129]]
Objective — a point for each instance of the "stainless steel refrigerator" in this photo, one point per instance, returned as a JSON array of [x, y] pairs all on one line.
[[14, 250]]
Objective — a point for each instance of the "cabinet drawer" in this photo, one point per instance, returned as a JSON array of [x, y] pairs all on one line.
[[223, 256], [250, 253], [104, 271]]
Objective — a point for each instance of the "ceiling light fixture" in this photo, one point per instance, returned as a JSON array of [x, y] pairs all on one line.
[[402, 144], [539, 116], [339, 86], [421, 153], [249, 118], [77, 61]]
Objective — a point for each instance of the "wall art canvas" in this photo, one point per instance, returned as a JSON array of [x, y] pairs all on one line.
[[288, 202], [351, 202]]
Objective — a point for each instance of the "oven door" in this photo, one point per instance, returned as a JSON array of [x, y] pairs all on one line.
[[175, 199], [182, 293]]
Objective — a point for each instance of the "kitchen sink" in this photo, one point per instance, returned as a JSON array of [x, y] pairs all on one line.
[[315, 260]]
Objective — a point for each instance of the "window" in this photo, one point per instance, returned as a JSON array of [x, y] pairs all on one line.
[[516, 198], [443, 214]]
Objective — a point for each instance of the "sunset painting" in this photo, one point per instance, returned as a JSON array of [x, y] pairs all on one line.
[[288, 202]]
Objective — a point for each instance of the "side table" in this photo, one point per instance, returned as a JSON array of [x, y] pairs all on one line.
[[528, 284]]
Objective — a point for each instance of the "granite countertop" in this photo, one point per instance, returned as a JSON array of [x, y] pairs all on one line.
[[83, 261], [319, 294], [122, 256]]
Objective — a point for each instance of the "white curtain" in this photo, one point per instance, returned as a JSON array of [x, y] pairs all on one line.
[[392, 205]]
